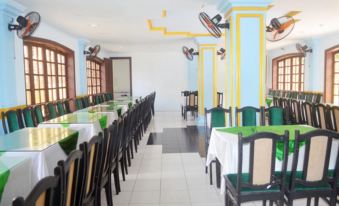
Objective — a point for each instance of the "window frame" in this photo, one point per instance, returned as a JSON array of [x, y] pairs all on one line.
[[329, 73], [102, 84], [69, 68], [275, 71]]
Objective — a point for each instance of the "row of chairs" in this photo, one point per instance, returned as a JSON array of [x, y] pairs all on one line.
[[265, 182], [33, 115], [313, 114], [191, 103], [308, 96], [80, 179]]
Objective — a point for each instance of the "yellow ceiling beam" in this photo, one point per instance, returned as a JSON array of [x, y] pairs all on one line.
[[292, 13]]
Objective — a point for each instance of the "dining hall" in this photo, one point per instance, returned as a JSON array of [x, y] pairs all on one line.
[[169, 103]]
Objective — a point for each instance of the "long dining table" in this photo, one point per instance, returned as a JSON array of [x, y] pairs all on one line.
[[29, 155], [223, 146]]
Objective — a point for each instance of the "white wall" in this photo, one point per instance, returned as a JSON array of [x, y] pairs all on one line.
[[164, 72]]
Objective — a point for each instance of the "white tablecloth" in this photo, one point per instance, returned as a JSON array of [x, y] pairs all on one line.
[[224, 147], [19, 179]]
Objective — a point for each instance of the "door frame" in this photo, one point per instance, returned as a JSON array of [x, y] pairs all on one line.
[[130, 72]]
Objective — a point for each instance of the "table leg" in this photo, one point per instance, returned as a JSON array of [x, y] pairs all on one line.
[[217, 172]]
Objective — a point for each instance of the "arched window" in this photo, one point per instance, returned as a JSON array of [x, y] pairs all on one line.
[[95, 75], [49, 71], [288, 72], [332, 75]]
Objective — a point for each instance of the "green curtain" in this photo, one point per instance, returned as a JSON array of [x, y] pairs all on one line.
[[69, 143], [217, 118], [61, 109], [12, 121], [28, 117], [276, 116], [249, 117]]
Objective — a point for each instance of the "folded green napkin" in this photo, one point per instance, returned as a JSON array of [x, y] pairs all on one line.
[[69, 143]]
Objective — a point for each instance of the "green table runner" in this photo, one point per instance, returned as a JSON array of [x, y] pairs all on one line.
[[69, 143], [249, 130], [4, 174]]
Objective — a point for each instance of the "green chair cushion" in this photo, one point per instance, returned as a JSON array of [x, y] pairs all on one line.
[[28, 117], [249, 117], [276, 116], [12, 121], [217, 118], [299, 187], [245, 178]]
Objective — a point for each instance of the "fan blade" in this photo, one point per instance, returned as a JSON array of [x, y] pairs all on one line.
[[286, 25], [292, 13], [27, 28]]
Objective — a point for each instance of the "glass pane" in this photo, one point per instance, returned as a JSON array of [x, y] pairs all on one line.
[[42, 82], [37, 96], [35, 67], [50, 95], [48, 65], [53, 69], [28, 97], [36, 82], [336, 99], [41, 69], [336, 78], [54, 94], [26, 66], [336, 67], [53, 82], [28, 82], [336, 90], [34, 53], [287, 62], [64, 93], [42, 95], [48, 55], [40, 53], [52, 56], [26, 51]]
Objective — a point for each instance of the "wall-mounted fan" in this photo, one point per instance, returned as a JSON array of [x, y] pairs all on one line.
[[303, 49], [92, 51], [189, 53], [26, 25], [222, 53], [279, 28], [213, 25]]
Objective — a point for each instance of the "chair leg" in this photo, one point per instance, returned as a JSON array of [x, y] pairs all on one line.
[[211, 176], [128, 156], [131, 150], [135, 143], [308, 202], [271, 202], [206, 169], [122, 169], [264, 203], [316, 201], [289, 202], [108, 191], [117, 179]]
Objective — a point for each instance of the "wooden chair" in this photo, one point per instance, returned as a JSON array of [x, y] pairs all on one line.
[[92, 157], [249, 116], [313, 180], [12, 121], [308, 113], [85, 102], [297, 117], [72, 173], [334, 112], [192, 105], [215, 117], [52, 112], [263, 181], [61, 108], [38, 114], [28, 117], [220, 99], [109, 164], [67, 106], [42, 194], [275, 115], [185, 94], [322, 120], [78, 103]]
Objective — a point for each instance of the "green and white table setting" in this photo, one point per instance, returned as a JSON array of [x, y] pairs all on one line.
[[112, 111], [43, 146], [124, 104], [223, 145], [15, 178], [86, 123]]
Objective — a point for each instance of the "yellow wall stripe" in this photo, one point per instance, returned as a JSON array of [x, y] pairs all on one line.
[[246, 8], [11, 108]]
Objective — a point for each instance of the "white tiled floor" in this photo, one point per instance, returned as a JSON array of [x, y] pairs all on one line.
[[173, 179]]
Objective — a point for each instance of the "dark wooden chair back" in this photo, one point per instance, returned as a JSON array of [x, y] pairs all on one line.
[[321, 120], [92, 153], [262, 157], [12, 121], [72, 173], [308, 113], [42, 194], [249, 116]]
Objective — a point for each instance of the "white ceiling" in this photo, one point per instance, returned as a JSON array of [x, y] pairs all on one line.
[[121, 25]]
